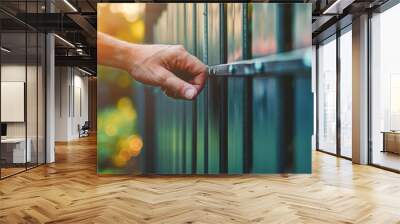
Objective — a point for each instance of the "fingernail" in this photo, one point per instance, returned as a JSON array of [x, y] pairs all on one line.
[[190, 93]]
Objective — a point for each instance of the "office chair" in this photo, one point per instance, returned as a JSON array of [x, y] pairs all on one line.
[[84, 130]]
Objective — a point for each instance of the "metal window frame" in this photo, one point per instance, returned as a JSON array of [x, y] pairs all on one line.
[[337, 35]]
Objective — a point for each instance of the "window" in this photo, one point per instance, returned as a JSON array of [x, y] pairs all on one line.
[[385, 89], [346, 94], [327, 97]]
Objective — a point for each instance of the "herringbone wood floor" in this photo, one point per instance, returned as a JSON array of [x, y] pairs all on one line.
[[69, 191]]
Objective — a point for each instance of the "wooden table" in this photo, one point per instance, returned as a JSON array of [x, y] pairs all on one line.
[[391, 141], [13, 150]]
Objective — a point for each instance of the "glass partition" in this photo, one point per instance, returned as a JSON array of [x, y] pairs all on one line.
[[327, 96], [22, 88], [15, 151]]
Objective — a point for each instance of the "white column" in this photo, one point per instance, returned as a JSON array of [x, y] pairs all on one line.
[[50, 100], [360, 90], [50, 92]]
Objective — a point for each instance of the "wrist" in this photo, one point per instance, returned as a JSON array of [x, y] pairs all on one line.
[[118, 53], [134, 54]]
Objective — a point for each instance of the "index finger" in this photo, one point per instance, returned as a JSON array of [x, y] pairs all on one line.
[[193, 70]]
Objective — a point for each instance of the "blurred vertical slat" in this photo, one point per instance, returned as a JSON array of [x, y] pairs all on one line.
[[200, 100], [266, 117], [213, 100], [223, 91], [285, 92], [206, 87], [191, 32], [248, 94], [235, 95], [303, 98]]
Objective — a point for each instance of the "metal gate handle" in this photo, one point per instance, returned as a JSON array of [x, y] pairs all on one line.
[[292, 63]]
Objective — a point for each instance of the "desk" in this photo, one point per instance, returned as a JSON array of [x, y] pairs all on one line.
[[13, 150], [391, 141]]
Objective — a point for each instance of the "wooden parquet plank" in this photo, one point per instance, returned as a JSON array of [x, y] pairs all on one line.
[[69, 191]]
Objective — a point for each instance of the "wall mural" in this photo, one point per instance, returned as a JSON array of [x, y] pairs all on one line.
[[255, 113]]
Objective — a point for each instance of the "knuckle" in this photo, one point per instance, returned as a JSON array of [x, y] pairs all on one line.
[[179, 48], [161, 79], [181, 88]]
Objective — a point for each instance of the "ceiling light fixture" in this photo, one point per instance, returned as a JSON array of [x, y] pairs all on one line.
[[337, 7], [5, 50], [65, 41], [70, 5], [84, 71]]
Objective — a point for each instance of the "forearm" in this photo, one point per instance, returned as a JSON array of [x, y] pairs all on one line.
[[170, 67], [117, 53]]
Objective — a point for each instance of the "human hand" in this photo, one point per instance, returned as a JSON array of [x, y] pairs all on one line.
[[170, 67], [178, 73]]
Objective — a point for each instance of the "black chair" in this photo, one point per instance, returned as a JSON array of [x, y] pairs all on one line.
[[84, 130]]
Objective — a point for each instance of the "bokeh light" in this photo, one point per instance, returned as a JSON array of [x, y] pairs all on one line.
[[117, 117], [127, 21]]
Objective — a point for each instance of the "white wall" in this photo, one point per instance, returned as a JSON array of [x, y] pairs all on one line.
[[11, 73], [81, 89], [13, 100], [71, 94], [62, 81], [16, 73], [33, 127]]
